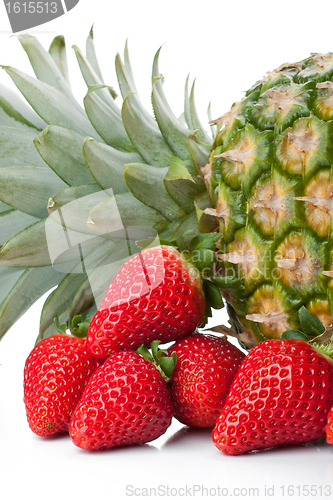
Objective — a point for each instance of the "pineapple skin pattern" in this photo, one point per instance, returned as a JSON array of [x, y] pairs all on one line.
[[271, 185], [265, 185]]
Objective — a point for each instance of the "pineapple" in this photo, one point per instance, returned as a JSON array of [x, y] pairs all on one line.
[[271, 186], [80, 187]]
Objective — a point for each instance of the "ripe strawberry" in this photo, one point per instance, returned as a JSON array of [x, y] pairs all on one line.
[[55, 374], [125, 402], [205, 368], [281, 396], [156, 295], [329, 427]]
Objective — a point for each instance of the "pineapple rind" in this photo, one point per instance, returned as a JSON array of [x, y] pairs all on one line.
[[289, 204]]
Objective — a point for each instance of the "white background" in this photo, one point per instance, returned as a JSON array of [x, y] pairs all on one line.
[[227, 46]]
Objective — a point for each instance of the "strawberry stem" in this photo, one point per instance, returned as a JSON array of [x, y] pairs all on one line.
[[164, 363], [80, 328]]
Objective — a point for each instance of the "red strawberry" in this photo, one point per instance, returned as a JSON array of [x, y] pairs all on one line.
[[55, 374], [155, 295], [329, 427], [205, 368], [125, 402], [281, 396]]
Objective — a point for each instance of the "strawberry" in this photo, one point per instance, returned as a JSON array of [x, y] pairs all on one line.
[[156, 295], [329, 427], [205, 368], [281, 395], [125, 402], [55, 374]]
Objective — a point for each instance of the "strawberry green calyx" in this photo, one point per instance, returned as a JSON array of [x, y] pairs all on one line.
[[78, 327], [164, 363]]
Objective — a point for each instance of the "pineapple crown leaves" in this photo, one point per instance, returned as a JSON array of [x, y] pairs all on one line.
[[61, 328], [160, 358], [92, 87], [110, 137]]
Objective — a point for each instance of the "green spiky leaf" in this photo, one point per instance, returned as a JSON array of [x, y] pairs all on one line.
[[27, 248], [106, 122], [58, 302], [57, 51], [45, 68], [61, 149], [92, 79], [12, 222], [28, 188], [181, 186], [199, 153], [91, 54], [61, 328], [8, 278], [144, 135], [123, 210], [196, 124], [206, 222], [29, 287], [127, 86], [50, 104], [106, 164], [174, 134], [17, 148], [146, 183], [128, 67], [14, 112]]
